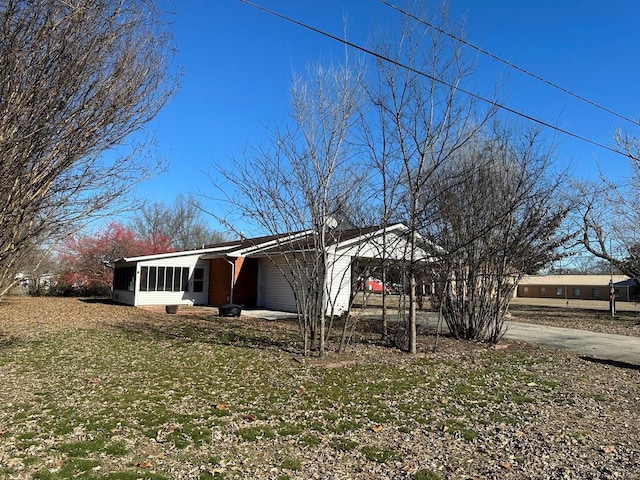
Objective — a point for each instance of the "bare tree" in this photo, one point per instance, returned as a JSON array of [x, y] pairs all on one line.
[[76, 79], [305, 181], [183, 222], [494, 210], [608, 213], [421, 120]]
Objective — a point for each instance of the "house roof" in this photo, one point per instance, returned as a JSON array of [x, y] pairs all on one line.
[[579, 280], [270, 244], [306, 240], [182, 253]]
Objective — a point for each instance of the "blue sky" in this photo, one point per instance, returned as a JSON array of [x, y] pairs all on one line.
[[237, 64]]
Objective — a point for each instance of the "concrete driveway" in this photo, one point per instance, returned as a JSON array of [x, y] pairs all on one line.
[[601, 346]]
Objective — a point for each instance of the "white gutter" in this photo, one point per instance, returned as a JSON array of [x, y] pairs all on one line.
[[233, 276]]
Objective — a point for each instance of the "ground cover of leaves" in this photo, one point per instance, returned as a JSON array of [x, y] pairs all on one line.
[[90, 390]]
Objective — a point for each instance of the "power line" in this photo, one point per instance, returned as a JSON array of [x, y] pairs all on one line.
[[510, 64], [432, 78]]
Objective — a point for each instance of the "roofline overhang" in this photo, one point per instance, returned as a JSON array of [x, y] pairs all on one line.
[[256, 249], [182, 253]]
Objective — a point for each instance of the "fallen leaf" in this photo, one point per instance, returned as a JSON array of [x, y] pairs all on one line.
[[163, 433], [609, 450], [14, 462], [221, 406], [376, 428], [144, 464], [249, 417], [506, 465], [302, 390]]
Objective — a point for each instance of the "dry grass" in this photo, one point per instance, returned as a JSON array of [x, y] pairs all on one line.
[[99, 391]]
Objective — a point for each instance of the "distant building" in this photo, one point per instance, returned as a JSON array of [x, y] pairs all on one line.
[[582, 287]]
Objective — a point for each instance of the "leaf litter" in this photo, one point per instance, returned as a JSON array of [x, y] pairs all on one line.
[[92, 390]]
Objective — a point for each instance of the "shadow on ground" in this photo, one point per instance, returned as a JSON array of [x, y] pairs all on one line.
[[612, 363], [7, 341], [213, 330]]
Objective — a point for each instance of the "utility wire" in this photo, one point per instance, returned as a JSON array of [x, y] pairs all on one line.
[[432, 78], [510, 64]]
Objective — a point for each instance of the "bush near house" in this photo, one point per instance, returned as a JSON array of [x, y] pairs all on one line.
[[87, 259]]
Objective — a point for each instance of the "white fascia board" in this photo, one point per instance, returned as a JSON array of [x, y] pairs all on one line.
[[397, 248], [201, 251], [401, 228], [253, 249]]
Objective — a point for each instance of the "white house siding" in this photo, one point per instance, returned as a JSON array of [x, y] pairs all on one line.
[[397, 248], [124, 296], [275, 293], [174, 298], [340, 283]]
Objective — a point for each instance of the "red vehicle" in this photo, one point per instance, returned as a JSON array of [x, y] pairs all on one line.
[[374, 285]]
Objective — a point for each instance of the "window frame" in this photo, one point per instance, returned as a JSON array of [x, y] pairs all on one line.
[[124, 278], [198, 280], [163, 278]]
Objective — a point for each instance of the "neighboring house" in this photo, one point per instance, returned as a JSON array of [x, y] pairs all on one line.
[[251, 272], [32, 282], [583, 287]]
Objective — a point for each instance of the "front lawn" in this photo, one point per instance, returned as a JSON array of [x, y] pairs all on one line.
[[96, 391]]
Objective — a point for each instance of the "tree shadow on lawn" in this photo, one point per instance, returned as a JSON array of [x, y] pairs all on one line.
[[282, 335], [612, 363], [238, 332], [7, 341], [100, 300]]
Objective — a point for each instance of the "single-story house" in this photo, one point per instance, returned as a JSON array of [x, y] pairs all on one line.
[[583, 287], [252, 272]]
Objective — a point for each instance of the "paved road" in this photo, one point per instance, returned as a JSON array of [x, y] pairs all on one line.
[[618, 348]]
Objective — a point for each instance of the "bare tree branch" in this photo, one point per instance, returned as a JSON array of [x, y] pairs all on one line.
[[76, 79]]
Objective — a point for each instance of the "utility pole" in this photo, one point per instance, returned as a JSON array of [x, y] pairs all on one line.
[[612, 291], [612, 298]]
